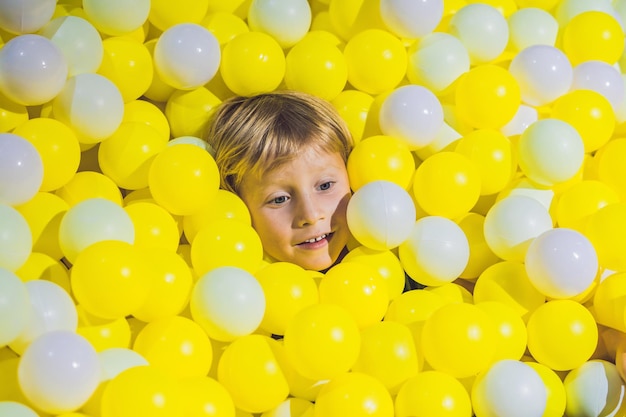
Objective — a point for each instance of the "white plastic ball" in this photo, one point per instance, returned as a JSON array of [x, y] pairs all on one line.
[[512, 223], [411, 19], [594, 389], [79, 42], [90, 221], [117, 17], [561, 263], [33, 70], [532, 26], [436, 251], [25, 16], [509, 388], [14, 306], [413, 114], [51, 308], [524, 117], [21, 169], [227, 302], [380, 215], [92, 105], [551, 151], [15, 409], [602, 78], [187, 56], [287, 21], [114, 361], [59, 372], [543, 72], [16, 239], [483, 29], [436, 61]]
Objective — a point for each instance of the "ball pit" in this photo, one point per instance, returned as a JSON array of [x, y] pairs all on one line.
[[487, 271]]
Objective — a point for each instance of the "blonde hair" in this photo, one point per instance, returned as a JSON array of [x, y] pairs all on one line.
[[259, 133]]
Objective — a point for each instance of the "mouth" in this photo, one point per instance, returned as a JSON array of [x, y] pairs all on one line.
[[316, 242]]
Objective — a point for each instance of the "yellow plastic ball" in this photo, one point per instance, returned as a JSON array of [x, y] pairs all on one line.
[[205, 397], [576, 203], [288, 288], [511, 335], [481, 256], [252, 63], [353, 107], [155, 227], [164, 13], [89, 184], [353, 394], [590, 113], [608, 301], [593, 35], [385, 262], [224, 25], [414, 306], [556, 401], [376, 61], [447, 184], [11, 114], [143, 111], [562, 334], [187, 111], [380, 157], [103, 333], [487, 97], [606, 230], [611, 170], [183, 179], [58, 147], [128, 63], [158, 91], [316, 66]]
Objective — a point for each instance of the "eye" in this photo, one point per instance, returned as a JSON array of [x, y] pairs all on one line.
[[326, 186], [279, 200]]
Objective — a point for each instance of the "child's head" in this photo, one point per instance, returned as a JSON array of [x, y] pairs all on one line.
[[284, 153]]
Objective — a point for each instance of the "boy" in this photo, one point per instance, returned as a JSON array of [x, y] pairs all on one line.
[[284, 153]]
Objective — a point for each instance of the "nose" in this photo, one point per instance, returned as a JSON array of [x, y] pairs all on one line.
[[309, 211]]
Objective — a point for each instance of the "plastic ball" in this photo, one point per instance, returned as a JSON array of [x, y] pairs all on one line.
[[353, 394], [543, 72], [436, 251], [593, 35], [601, 77], [228, 302], [555, 404], [16, 240], [459, 339], [581, 200], [51, 309], [590, 113], [33, 69], [155, 228], [172, 282], [187, 56], [183, 179], [125, 156], [385, 262], [252, 63], [142, 391], [433, 393], [447, 184], [288, 288], [322, 341], [229, 243], [291, 407], [530, 26], [359, 289], [561, 263], [188, 111], [14, 304], [413, 307], [388, 353], [16, 409], [12, 114], [482, 29], [21, 169], [380, 214], [608, 301], [145, 112], [128, 64], [204, 396], [85, 185], [118, 17], [250, 372], [608, 162], [224, 25], [316, 66], [353, 107], [59, 371], [92, 105], [491, 151], [605, 230], [286, 21], [512, 223], [436, 61], [109, 279], [512, 335], [411, 20], [509, 387], [376, 61], [524, 117], [413, 114], [176, 344], [487, 96], [562, 334], [594, 389], [26, 17], [103, 334], [550, 151], [79, 41], [93, 220], [165, 14], [43, 213]]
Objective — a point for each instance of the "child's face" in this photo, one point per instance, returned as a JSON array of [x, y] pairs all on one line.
[[299, 209]]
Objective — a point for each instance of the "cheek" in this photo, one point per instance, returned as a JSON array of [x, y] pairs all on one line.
[[269, 227]]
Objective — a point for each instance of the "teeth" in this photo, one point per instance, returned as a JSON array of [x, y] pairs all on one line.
[[317, 239]]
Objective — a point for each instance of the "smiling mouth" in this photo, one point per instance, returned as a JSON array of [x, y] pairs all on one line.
[[313, 241]]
